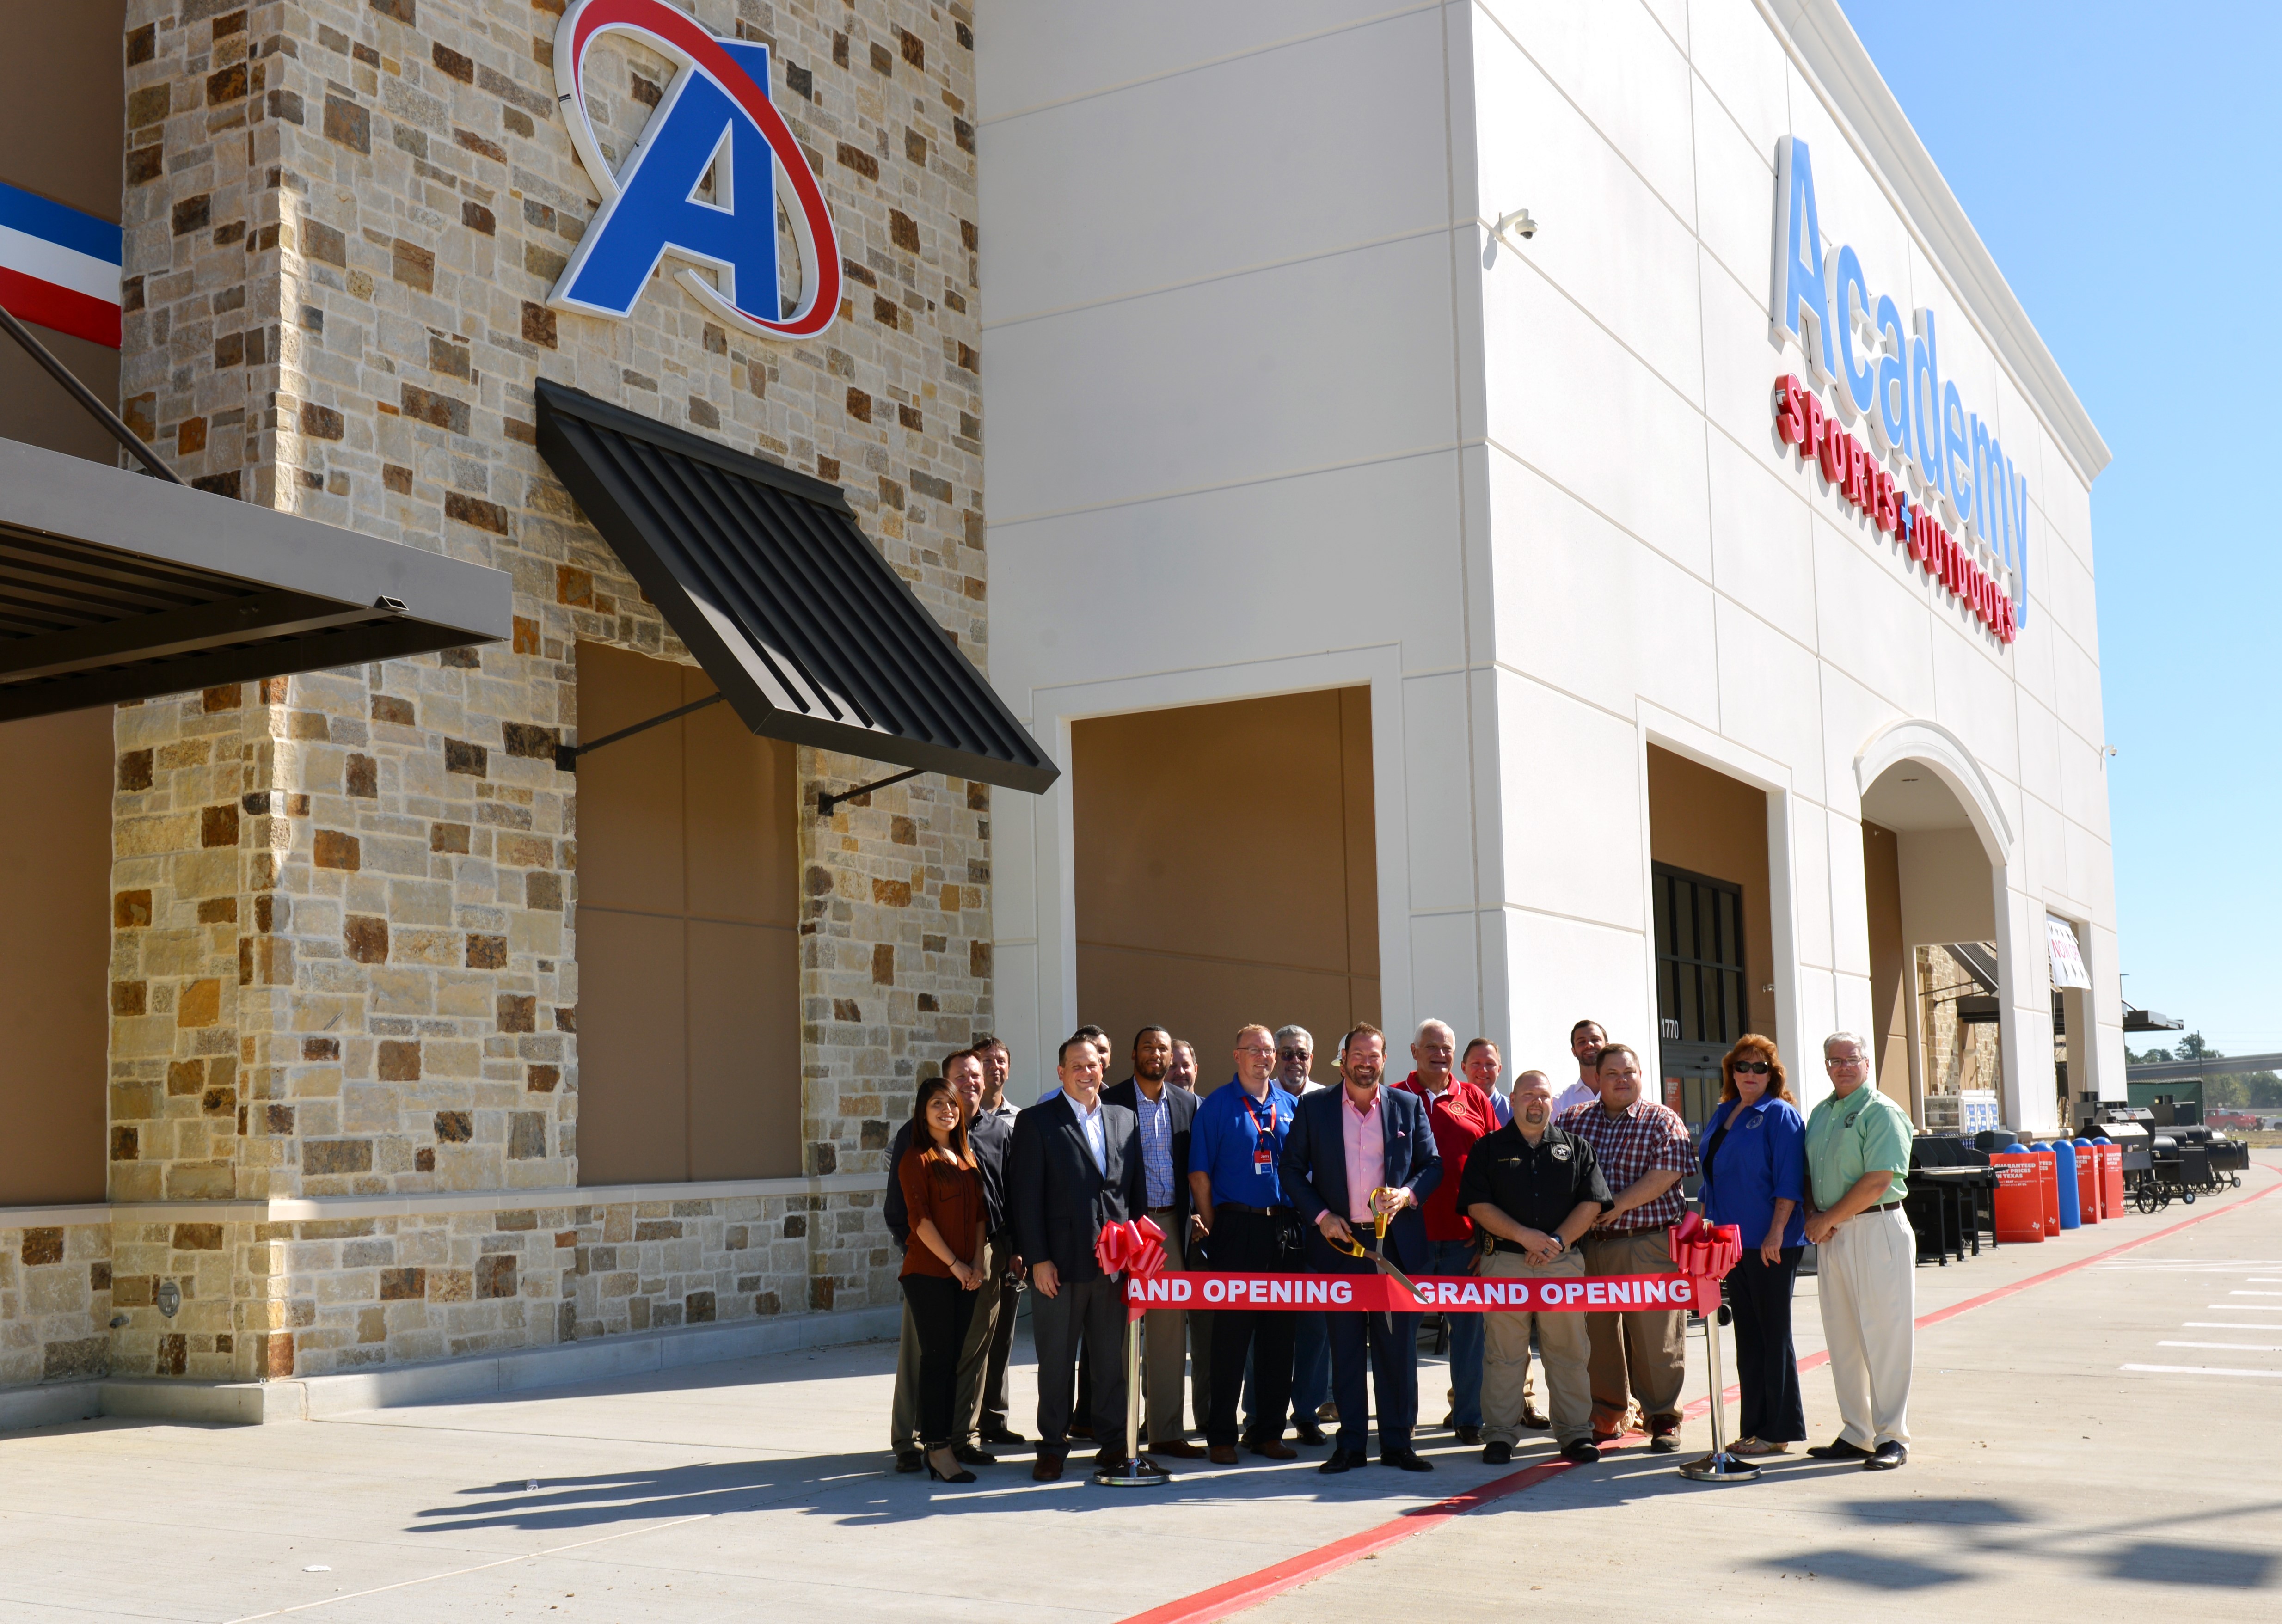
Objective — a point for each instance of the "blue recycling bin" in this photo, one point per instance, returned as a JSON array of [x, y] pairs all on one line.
[[2064, 1180]]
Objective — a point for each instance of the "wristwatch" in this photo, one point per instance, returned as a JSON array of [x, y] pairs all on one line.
[[1558, 1241]]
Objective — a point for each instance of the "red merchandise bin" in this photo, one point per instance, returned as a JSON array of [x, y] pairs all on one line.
[[2087, 1177], [2020, 1196], [2111, 1158]]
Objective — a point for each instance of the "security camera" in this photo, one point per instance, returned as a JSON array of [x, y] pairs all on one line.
[[1518, 223]]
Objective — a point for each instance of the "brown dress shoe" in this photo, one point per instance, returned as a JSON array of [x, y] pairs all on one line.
[[1274, 1449], [1222, 1455], [1047, 1469], [1180, 1449]]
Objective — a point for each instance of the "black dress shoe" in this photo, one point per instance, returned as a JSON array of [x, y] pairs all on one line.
[[1838, 1449], [1405, 1460], [1886, 1456], [1664, 1443], [1580, 1453], [1533, 1421], [955, 1477], [1497, 1454], [1002, 1436], [969, 1456], [1307, 1432], [909, 1460], [1341, 1460], [1470, 1435]]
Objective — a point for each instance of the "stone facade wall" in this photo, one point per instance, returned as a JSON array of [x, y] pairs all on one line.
[[55, 1302], [1959, 1055], [344, 957]]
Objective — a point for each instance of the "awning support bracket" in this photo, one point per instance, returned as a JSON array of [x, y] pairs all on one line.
[[825, 800], [566, 756], [87, 398]]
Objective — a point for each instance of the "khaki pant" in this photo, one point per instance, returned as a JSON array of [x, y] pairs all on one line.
[[1164, 1345], [1867, 1283], [1643, 1349], [974, 1357], [1561, 1338]]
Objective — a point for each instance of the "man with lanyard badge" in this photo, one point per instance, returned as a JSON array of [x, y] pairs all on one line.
[[1234, 1144]]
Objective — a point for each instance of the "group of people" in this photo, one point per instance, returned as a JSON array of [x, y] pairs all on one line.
[[1442, 1173]]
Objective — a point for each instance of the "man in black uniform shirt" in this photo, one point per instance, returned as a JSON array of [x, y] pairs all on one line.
[[1533, 1190]]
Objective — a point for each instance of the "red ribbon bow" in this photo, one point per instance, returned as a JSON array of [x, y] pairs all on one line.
[[1136, 1247], [1705, 1253]]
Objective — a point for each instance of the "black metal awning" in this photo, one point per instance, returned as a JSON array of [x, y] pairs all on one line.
[[115, 587], [810, 633]]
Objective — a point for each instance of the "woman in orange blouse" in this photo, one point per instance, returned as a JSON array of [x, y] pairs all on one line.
[[943, 1188]]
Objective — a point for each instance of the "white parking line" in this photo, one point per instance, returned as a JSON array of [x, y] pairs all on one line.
[[2227, 1324], [2193, 1370], [2229, 1347], [2246, 1308], [2254, 1294]]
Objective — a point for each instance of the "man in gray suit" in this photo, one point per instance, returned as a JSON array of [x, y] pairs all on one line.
[[1075, 1167]]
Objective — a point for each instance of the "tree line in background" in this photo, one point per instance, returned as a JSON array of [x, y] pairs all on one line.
[[2257, 1089]]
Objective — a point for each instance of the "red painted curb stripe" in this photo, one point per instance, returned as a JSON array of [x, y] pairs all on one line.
[[1255, 1588], [1222, 1600]]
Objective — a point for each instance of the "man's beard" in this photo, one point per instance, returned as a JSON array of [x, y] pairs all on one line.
[[1536, 1117]]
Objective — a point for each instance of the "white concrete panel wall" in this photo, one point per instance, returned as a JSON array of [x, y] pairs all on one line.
[[1266, 404], [1627, 413], [1224, 412]]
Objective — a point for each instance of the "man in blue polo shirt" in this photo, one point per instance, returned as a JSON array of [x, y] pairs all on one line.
[[1234, 1144]]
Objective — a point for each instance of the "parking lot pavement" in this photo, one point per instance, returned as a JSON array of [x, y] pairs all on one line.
[[2071, 1440]]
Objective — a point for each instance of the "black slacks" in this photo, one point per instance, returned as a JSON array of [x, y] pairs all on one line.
[[1002, 1348], [1089, 1314], [1378, 1349], [1766, 1365], [940, 1311], [1250, 1243]]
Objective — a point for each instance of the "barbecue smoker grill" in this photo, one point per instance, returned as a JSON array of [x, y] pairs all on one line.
[[2187, 1159]]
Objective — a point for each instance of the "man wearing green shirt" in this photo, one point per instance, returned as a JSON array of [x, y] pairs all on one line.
[[1858, 1160]]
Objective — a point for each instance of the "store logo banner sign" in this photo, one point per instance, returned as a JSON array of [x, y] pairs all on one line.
[[2066, 955], [715, 119]]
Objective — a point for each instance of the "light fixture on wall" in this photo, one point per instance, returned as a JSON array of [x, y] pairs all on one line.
[[1515, 229]]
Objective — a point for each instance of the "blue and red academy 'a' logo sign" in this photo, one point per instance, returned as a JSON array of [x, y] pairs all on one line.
[[715, 118]]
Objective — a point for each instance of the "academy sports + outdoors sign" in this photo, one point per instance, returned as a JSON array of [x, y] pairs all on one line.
[[1437, 1294], [1855, 348], [715, 118]]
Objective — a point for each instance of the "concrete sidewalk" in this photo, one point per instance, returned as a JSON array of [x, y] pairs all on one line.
[[2044, 1468]]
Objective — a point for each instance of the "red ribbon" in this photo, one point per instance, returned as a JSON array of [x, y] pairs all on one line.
[[1135, 1248]]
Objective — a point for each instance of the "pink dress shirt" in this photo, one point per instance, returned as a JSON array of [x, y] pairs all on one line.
[[1364, 1135]]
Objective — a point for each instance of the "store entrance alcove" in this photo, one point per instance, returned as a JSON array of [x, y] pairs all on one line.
[[1932, 908], [1713, 922], [1226, 871]]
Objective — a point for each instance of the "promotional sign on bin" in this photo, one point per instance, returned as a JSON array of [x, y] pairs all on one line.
[[2109, 1155], [2020, 1195], [2087, 1180]]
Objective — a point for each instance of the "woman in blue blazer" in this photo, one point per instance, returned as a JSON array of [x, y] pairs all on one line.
[[1754, 1156]]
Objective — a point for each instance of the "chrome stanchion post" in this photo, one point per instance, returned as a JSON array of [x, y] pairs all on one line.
[[1126, 1473], [1721, 1465]]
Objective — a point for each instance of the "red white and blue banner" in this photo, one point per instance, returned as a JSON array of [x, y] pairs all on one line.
[[59, 268]]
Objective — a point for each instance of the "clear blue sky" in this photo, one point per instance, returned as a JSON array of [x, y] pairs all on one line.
[[2119, 159]]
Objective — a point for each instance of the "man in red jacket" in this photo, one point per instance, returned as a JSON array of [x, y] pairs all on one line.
[[1458, 1112]]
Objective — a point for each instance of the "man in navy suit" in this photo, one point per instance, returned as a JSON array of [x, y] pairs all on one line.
[[1164, 1112], [1074, 1166], [1353, 1152]]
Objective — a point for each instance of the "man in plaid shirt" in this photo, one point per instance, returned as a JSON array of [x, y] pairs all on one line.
[[1644, 1150]]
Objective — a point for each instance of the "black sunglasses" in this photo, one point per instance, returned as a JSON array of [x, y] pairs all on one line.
[[1758, 1069]]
